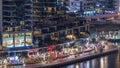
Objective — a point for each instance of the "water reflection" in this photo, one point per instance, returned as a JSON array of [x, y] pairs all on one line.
[[110, 61], [103, 62]]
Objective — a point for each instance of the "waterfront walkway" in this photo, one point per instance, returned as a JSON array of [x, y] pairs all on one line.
[[74, 59], [71, 58]]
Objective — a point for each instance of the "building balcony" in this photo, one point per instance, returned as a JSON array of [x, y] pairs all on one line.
[[36, 15], [8, 0], [30, 20], [26, 4], [8, 29], [9, 21], [34, 20], [28, 14], [9, 5], [8, 10], [101, 16], [34, 2], [28, 10], [36, 6], [11, 16]]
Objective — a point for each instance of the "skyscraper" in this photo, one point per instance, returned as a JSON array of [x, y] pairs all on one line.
[[45, 9], [105, 5], [92, 7], [17, 18], [16, 23], [84, 7], [20, 20]]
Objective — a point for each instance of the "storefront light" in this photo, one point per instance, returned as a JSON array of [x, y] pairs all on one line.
[[76, 49], [37, 33], [87, 39]]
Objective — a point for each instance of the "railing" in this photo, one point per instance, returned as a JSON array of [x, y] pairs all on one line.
[[101, 16]]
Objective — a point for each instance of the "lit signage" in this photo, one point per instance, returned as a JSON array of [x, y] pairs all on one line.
[[19, 40], [7, 40], [28, 39]]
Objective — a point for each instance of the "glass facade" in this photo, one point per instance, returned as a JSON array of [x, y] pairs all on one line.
[[17, 40], [28, 39], [7, 40], [16, 21], [21, 16], [43, 8], [103, 5], [17, 15]]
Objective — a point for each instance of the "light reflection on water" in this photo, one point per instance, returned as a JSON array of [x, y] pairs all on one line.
[[110, 61], [103, 62]]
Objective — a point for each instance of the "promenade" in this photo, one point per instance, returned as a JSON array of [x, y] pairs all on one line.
[[74, 58], [65, 57]]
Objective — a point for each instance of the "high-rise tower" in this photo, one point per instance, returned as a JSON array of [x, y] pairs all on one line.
[[16, 23]]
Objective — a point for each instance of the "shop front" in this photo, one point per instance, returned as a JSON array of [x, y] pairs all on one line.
[[16, 40]]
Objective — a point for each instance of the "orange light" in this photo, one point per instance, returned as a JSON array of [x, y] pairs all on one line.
[[118, 14], [112, 18]]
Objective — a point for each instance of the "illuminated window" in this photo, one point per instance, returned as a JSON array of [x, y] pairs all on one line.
[[7, 40], [49, 9], [19, 40], [22, 22], [28, 39]]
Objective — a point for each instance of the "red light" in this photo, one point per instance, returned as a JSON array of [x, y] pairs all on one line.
[[49, 48]]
